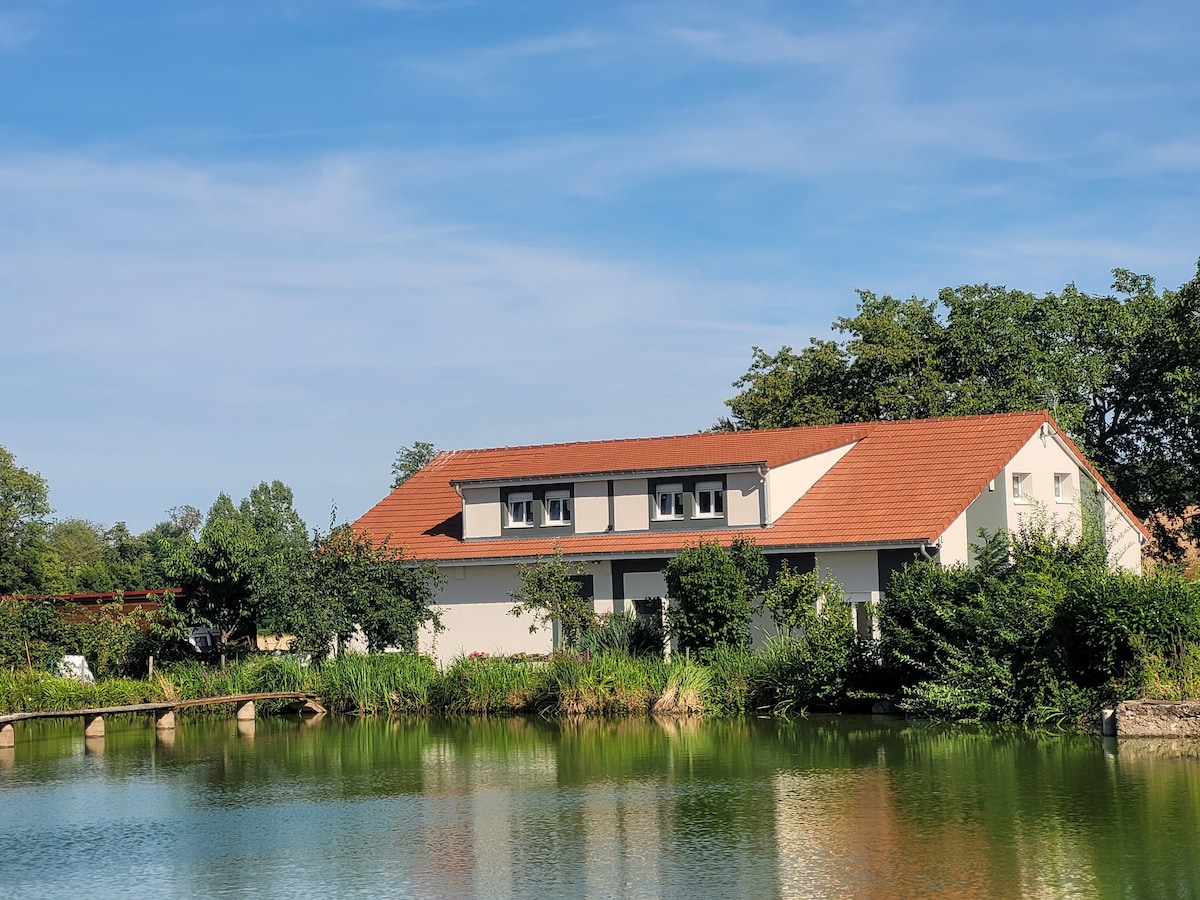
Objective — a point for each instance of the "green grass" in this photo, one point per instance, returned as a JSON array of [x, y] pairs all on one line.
[[724, 682]]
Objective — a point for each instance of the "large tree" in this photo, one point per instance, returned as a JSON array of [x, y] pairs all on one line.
[[246, 560], [347, 582], [410, 460], [1121, 372], [27, 564]]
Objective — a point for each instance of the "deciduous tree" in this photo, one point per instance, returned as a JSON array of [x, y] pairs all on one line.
[[1121, 372], [551, 592], [711, 591], [410, 460]]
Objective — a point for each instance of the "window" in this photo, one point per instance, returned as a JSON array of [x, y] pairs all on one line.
[[558, 507], [710, 500], [1020, 487], [670, 502], [520, 510], [1062, 487]]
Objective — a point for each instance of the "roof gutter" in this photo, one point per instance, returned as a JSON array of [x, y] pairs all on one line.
[[921, 545]]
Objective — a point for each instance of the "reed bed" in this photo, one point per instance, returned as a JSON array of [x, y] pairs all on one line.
[[614, 683], [44, 692]]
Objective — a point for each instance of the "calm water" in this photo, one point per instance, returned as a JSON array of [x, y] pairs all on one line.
[[827, 807]]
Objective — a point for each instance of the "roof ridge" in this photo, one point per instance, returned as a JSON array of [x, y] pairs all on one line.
[[721, 435]]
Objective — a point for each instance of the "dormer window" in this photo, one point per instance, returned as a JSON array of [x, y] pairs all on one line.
[[558, 507], [670, 502], [710, 500], [520, 510]]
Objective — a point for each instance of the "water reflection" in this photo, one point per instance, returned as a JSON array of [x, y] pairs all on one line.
[[514, 807]]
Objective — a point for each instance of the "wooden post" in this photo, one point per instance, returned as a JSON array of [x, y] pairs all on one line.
[[165, 720], [8, 736], [93, 726], [245, 711]]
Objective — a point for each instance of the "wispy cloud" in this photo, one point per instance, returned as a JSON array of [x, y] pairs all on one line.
[[479, 66], [240, 311], [17, 30]]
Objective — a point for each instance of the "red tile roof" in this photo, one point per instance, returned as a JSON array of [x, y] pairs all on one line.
[[902, 483], [771, 448]]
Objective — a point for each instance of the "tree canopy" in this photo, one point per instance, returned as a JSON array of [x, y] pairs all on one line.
[[27, 565], [244, 561], [713, 589], [1120, 372], [410, 460]]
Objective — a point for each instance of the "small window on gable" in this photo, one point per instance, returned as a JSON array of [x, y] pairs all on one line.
[[1062, 486], [670, 502], [1020, 487], [710, 500], [520, 510], [558, 507]]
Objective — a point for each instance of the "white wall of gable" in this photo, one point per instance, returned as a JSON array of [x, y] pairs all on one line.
[[743, 499], [1124, 541], [631, 506], [481, 512], [591, 507], [1040, 458], [954, 545], [788, 483]]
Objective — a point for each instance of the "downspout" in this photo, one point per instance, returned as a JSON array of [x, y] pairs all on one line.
[[766, 504], [925, 548]]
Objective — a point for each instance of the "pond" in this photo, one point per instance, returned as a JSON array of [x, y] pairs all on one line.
[[819, 807]]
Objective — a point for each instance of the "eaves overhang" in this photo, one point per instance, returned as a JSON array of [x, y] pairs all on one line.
[[899, 544]]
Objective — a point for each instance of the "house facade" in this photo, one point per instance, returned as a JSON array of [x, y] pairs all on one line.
[[856, 501]]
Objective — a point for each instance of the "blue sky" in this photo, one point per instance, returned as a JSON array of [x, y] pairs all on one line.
[[245, 241]]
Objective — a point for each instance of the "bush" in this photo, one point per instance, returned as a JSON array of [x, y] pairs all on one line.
[[1040, 631], [712, 589], [623, 633]]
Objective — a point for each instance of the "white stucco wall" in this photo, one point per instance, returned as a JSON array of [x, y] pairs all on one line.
[[1041, 458], [591, 507], [602, 584], [955, 542], [631, 508], [743, 499], [788, 483], [474, 605], [1124, 541], [481, 512]]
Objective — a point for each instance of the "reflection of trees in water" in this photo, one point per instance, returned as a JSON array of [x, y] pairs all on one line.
[[865, 807]]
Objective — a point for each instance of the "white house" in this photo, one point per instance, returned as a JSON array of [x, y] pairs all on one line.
[[858, 501]]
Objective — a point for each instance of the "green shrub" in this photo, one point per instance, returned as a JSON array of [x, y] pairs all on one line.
[[623, 632]]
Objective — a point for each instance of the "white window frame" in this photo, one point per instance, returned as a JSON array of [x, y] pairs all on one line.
[[675, 492], [1062, 487], [716, 497], [1020, 487], [525, 498], [564, 497]]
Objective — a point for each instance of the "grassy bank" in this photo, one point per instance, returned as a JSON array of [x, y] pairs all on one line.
[[603, 684]]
